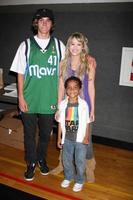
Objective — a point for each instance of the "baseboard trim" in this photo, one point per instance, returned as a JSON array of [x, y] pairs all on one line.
[[112, 142], [106, 141]]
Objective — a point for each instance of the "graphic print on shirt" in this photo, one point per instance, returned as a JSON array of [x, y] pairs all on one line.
[[49, 67], [71, 121], [52, 61]]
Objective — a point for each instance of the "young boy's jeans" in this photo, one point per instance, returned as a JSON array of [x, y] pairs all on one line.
[[74, 158]]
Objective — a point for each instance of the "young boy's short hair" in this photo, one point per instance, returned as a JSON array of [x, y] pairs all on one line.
[[73, 78]]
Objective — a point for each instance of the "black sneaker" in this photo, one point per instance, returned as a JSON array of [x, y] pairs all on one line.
[[29, 174], [44, 170]]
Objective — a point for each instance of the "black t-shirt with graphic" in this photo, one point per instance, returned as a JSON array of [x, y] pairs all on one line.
[[71, 121]]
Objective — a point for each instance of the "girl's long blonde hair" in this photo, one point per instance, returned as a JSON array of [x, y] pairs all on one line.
[[83, 68]]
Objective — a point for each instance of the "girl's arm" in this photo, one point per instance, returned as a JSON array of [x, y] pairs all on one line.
[[61, 91], [91, 86]]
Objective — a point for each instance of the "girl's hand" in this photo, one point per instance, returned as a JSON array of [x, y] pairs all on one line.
[[92, 117]]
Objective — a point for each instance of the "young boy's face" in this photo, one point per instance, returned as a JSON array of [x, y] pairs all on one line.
[[72, 89]]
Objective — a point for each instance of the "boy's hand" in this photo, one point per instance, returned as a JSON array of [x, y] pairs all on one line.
[[59, 144], [57, 115], [85, 140], [23, 105]]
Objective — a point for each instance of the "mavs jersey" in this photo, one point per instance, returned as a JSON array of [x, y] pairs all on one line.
[[41, 77]]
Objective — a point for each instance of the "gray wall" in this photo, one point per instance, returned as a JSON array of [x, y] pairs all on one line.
[[107, 32]]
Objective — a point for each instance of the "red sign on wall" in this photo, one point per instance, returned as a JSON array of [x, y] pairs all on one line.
[[131, 75]]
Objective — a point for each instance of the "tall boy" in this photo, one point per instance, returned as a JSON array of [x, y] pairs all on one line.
[[36, 64]]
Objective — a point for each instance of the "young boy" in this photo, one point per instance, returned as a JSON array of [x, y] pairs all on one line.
[[73, 133]]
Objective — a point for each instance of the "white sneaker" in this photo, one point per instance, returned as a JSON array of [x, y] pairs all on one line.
[[65, 183], [77, 187]]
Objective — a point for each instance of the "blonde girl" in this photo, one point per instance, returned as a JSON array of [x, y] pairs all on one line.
[[79, 63]]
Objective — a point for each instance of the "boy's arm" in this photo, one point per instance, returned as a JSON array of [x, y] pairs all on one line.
[[87, 135], [59, 136], [22, 103]]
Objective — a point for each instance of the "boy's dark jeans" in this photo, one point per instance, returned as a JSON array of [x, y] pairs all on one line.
[[36, 144]]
